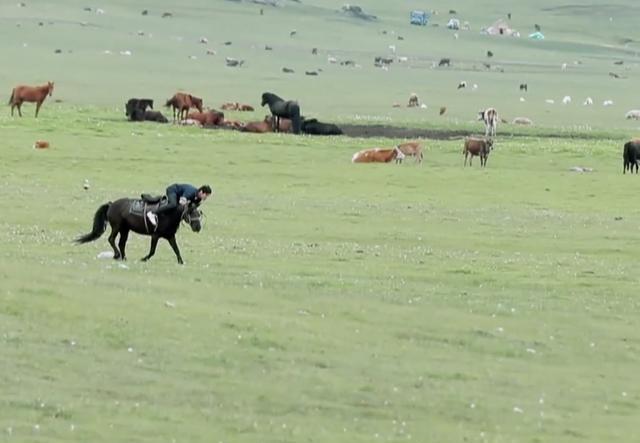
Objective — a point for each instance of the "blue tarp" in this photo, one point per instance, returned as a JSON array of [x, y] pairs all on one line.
[[537, 36], [419, 18]]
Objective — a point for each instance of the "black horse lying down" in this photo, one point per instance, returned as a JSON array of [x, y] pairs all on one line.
[[128, 214], [151, 116], [314, 127]]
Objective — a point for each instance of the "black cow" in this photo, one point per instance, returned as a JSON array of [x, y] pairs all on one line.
[[444, 61], [630, 156], [314, 127]]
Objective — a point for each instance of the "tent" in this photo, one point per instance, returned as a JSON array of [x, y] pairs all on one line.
[[500, 27], [419, 18]]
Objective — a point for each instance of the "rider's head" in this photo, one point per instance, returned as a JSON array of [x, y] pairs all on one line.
[[204, 191]]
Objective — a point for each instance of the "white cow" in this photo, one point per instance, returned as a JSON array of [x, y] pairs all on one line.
[[490, 118]]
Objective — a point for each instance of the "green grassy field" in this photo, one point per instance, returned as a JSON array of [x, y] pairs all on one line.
[[323, 301]]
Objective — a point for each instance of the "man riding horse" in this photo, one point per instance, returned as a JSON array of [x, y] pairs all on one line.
[[178, 193]]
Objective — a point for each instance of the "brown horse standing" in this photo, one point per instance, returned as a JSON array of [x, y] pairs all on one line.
[[23, 93], [182, 102]]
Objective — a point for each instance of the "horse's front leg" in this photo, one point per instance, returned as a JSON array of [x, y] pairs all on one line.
[[38, 108], [174, 246], [152, 250]]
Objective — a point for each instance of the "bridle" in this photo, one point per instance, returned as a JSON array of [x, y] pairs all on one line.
[[191, 215]]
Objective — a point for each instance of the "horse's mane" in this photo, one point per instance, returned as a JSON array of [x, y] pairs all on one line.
[[271, 96]]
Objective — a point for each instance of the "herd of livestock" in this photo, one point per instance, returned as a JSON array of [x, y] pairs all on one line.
[[285, 117]]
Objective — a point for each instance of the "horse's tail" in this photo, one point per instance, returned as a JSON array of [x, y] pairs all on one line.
[[169, 102], [296, 121], [99, 225], [13, 91]]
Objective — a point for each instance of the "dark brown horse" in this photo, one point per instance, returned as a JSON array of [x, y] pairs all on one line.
[[182, 102], [128, 214], [23, 93]]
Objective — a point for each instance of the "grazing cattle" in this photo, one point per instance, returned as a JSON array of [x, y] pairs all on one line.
[[41, 144], [630, 156], [444, 61], [411, 149], [462, 84], [347, 63], [310, 72], [479, 147], [633, 114], [182, 102], [314, 51], [522, 121], [268, 48], [490, 118], [211, 117], [443, 109], [413, 100], [382, 61], [288, 70], [314, 127], [489, 54], [232, 62], [523, 87], [377, 155]]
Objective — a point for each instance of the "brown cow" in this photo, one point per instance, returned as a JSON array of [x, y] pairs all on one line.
[[377, 155], [477, 146], [411, 149]]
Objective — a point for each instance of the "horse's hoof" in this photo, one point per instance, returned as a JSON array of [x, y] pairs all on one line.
[[144, 259]]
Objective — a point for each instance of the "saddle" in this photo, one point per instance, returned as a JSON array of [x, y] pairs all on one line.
[[147, 202]]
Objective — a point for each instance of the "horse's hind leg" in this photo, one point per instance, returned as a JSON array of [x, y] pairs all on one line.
[[112, 242], [19, 105], [122, 243]]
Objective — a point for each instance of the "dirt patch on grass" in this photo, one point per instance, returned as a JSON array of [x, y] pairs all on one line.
[[368, 131]]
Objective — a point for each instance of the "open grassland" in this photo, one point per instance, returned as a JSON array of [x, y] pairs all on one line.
[[323, 301]]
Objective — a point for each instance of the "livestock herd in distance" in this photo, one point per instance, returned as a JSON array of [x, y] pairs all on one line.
[[285, 117]]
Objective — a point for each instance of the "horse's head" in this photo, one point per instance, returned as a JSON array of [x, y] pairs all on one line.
[[197, 102], [50, 88], [265, 99], [193, 216], [481, 115]]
